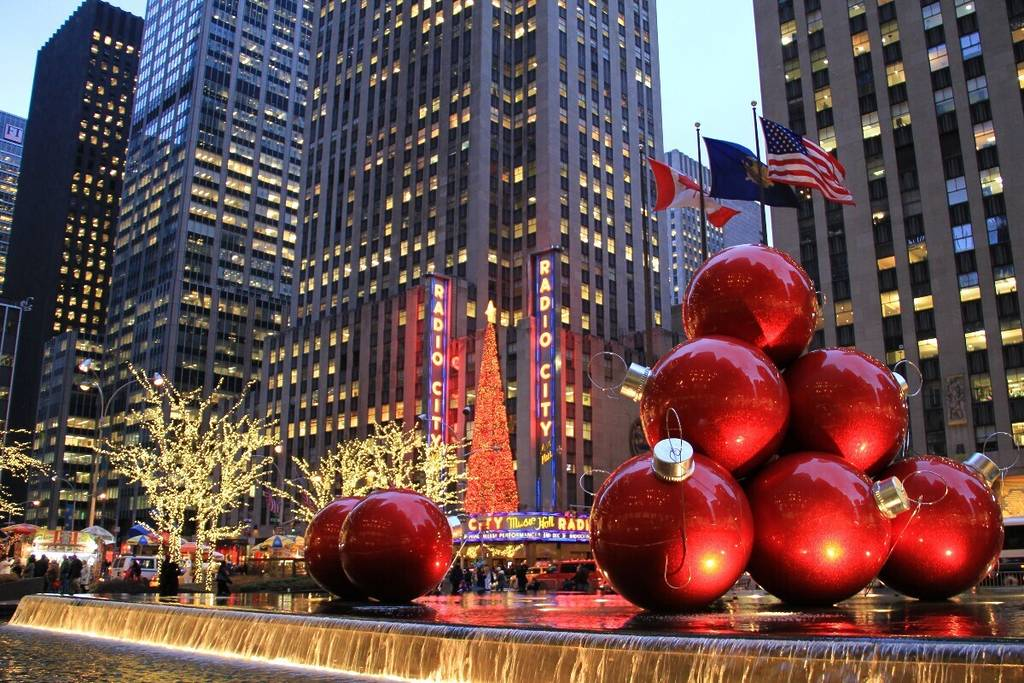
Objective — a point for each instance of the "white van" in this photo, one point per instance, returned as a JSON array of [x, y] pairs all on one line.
[[123, 564], [1011, 558]]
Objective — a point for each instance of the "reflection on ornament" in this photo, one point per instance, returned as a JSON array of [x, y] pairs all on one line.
[[323, 553]]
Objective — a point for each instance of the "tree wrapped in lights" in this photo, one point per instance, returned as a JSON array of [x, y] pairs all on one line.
[[391, 457], [492, 483], [194, 461], [16, 461]]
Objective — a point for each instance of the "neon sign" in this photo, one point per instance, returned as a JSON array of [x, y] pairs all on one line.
[[438, 315], [528, 527], [546, 375]]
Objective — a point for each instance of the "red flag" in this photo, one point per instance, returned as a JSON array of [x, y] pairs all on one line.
[[676, 190]]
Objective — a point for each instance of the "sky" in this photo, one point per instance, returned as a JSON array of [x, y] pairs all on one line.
[[707, 53]]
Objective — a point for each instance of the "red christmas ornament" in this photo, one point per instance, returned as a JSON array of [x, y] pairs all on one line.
[[845, 402], [323, 555], [945, 543], [729, 400], [396, 545], [671, 545], [821, 533], [754, 293]]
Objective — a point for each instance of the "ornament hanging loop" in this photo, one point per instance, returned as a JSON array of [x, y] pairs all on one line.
[[579, 482], [919, 501], [1016, 449], [905, 384], [611, 390]]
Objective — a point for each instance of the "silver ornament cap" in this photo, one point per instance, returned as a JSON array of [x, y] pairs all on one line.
[[891, 497], [673, 460], [458, 529], [904, 385], [634, 381], [985, 466]]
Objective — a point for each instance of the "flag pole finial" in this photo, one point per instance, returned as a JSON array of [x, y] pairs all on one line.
[[753, 103], [697, 125]]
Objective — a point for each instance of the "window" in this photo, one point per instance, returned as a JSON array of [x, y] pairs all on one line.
[[975, 341], [1018, 433], [856, 7], [869, 125], [1005, 280], [1011, 332], [900, 115], [788, 31], [886, 262], [932, 15], [970, 45], [964, 7], [827, 138], [894, 74], [890, 303], [814, 22], [1015, 383], [861, 43], [998, 229], [984, 135], [938, 58], [822, 98], [963, 238], [991, 181], [928, 348], [890, 33], [923, 303], [944, 101], [792, 69], [969, 290], [981, 388], [956, 190], [819, 60], [917, 252], [844, 312], [977, 89]]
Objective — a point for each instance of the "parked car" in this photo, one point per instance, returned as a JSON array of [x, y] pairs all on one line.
[[119, 570]]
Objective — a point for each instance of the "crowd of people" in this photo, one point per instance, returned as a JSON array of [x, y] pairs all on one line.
[[70, 575]]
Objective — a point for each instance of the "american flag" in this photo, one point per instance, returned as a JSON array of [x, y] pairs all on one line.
[[793, 160]]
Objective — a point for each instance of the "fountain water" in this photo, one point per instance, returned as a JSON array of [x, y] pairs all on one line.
[[435, 652]]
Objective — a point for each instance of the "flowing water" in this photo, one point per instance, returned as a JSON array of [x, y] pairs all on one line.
[[438, 652]]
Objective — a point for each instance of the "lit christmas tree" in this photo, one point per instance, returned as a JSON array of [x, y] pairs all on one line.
[[492, 479]]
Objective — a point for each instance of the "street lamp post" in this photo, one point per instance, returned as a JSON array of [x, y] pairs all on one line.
[[74, 497], [85, 367]]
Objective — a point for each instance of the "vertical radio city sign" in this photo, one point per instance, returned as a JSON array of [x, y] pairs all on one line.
[[545, 343], [438, 319]]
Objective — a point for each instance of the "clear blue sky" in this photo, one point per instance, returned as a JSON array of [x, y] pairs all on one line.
[[708, 62]]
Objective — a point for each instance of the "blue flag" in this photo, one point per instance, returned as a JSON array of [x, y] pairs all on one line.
[[737, 174]]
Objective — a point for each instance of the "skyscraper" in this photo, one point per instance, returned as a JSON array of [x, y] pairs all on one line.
[[461, 153], [922, 104], [12, 141], [70, 185], [204, 254]]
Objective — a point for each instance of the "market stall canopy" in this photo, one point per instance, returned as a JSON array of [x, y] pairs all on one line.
[[99, 533], [277, 542], [142, 539], [20, 529]]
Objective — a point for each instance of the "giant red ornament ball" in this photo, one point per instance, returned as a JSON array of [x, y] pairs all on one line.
[[819, 535], [671, 545], [396, 545], [945, 546], [323, 554], [754, 293], [729, 399], [845, 402]]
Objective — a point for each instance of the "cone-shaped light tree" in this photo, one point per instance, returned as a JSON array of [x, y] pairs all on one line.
[[492, 479]]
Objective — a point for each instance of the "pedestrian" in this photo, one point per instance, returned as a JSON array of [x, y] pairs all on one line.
[[86, 579], [479, 579], [135, 571], [16, 568], [456, 578], [502, 580], [581, 581], [5, 565], [65, 575], [52, 576], [521, 577], [75, 575], [41, 566], [223, 579], [169, 573]]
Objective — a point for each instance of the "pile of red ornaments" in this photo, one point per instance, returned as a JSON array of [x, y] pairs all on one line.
[[392, 546], [780, 464]]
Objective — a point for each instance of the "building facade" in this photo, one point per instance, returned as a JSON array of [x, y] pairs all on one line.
[[921, 101], [744, 227], [12, 144], [70, 185], [205, 248], [476, 152]]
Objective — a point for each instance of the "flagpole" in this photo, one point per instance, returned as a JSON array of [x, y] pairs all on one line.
[[760, 183], [703, 215]]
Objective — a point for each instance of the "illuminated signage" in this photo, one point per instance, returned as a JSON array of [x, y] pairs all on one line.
[[545, 342], [526, 527], [15, 134], [438, 317]]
